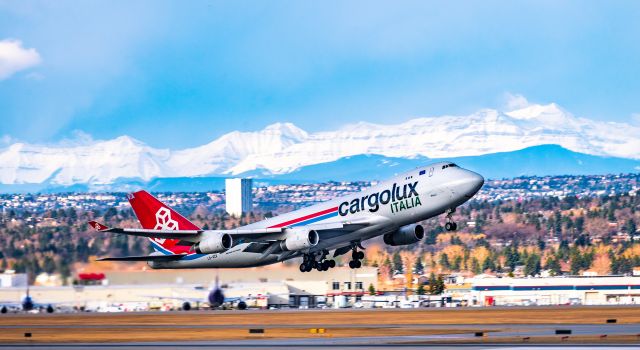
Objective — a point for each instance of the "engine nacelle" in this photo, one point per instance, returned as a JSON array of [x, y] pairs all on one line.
[[299, 239], [405, 235], [216, 242]]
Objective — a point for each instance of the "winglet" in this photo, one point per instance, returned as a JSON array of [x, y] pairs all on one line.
[[98, 226]]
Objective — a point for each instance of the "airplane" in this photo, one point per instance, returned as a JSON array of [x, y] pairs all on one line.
[[215, 298], [26, 304], [390, 209]]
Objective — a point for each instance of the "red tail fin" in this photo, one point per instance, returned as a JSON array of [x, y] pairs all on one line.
[[156, 215]]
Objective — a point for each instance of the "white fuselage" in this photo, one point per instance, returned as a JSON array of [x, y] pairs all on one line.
[[408, 198]]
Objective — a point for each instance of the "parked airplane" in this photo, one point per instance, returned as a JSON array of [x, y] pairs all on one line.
[[215, 298], [390, 209], [27, 304]]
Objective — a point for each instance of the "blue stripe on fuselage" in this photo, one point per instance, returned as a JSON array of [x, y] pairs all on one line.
[[159, 248], [166, 252], [316, 219]]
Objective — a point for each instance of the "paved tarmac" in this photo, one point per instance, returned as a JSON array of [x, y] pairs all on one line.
[[501, 334], [204, 345], [378, 342]]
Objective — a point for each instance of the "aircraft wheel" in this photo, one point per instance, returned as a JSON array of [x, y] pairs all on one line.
[[448, 226], [352, 264], [358, 264], [454, 226], [186, 306], [303, 268], [332, 264], [360, 255]]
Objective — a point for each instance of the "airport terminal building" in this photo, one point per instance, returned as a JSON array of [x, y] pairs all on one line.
[[583, 290], [287, 287]]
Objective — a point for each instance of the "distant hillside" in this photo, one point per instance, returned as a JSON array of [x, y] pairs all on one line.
[[537, 160]]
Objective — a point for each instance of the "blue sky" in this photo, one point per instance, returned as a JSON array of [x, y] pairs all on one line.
[[178, 74]]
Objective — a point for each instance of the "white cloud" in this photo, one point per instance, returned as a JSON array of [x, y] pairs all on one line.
[[6, 140], [77, 138], [635, 118], [514, 102], [14, 57]]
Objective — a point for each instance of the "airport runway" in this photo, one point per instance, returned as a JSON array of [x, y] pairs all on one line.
[[342, 329]]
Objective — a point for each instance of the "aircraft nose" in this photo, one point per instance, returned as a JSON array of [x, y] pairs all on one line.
[[475, 182]]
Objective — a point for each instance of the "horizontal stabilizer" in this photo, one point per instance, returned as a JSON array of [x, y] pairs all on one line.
[[145, 258], [142, 232]]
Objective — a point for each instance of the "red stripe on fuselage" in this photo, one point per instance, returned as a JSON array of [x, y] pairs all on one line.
[[306, 217]]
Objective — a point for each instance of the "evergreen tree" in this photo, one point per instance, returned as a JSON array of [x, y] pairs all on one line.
[[631, 226], [541, 244], [457, 262], [372, 289], [575, 261], [489, 264], [398, 266], [48, 265], [512, 256], [418, 268], [440, 287], [432, 284], [532, 265], [553, 265], [444, 261], [475, 266]]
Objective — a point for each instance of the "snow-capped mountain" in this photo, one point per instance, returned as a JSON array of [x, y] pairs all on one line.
[[221, 155], [282, 148], [99, 162]]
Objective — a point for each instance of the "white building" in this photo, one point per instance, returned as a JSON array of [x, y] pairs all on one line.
[[12, 279], [239, 198], [599, 290]]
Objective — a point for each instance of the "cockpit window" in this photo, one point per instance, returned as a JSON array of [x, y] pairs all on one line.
[[450, 165]]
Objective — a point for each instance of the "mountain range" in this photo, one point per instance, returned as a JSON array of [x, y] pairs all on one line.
[[534, 140]]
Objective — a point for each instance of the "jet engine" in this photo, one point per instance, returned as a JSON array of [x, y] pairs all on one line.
[[405, 235], [216, 242], [299, 239]]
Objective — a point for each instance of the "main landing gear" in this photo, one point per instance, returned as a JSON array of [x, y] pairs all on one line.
[[356, 256], [450, 225], [309, 262]]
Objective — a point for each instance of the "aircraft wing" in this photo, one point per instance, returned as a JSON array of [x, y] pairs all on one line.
[[269, 245], [171, 234], [188, 235], [274, 234], [171, 257], [11, 304], [191, 299]]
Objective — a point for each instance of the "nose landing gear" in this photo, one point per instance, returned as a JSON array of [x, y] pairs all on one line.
[[450, 225]]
